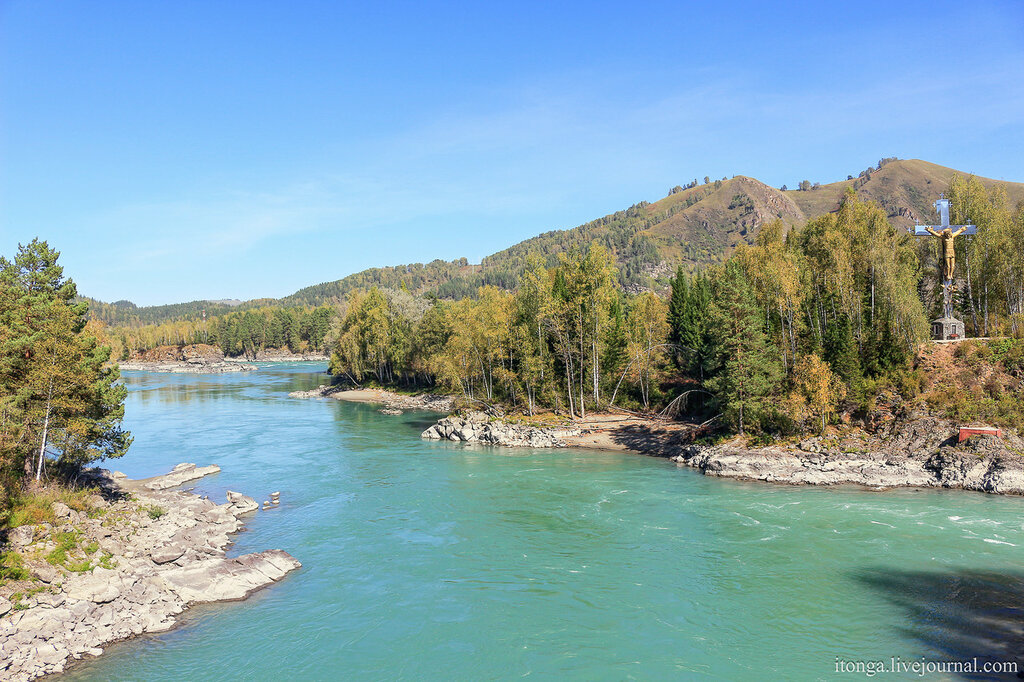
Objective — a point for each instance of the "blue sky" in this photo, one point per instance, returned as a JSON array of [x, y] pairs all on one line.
[[188, 149]]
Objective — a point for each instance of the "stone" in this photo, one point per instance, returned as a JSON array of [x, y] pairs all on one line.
[[47, 654], [166, 553], [20, 536], [5, 606], [477, 427], [182, 473], [242, 503], [222, 579], [45, 572], [61, 510], [97, 589]]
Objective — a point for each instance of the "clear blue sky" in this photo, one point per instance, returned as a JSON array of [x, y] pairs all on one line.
[[196, 149]]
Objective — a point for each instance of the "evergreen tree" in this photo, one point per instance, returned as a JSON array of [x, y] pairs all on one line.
[[840, 352], [57, 396], [747, 370]]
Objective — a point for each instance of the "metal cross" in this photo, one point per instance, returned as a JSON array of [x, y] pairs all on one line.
[[946, 234], [942, 206]]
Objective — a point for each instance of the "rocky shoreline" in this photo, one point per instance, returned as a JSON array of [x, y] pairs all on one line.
[[138, 555], [394, 403], [194, 359], [278, 355], [916, 451], [477, 427], [922, 454], [184, 367]]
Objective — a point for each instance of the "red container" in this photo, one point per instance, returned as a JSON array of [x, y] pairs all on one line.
[[968, 431]]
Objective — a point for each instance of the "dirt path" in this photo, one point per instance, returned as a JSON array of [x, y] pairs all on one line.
[[629, 433]]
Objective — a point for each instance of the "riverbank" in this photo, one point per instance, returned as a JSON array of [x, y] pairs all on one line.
[[134, 556], [923, 453], [390, 400], [281, 355], [919, 451], [193, 359], [183, 367]]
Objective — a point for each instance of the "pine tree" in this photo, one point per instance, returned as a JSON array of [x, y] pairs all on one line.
[[747, 369], [57, 396]]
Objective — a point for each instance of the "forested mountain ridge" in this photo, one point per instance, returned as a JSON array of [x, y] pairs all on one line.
[[695, 225]]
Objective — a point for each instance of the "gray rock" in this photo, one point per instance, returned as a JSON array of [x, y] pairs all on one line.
[[182, 473], [20, 536], [166, 553], [242, 503], [45, 572], [99, 589], [478, 428], [223, 579], [5, 606]]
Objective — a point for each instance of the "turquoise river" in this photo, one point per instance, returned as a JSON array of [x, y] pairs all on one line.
[[428, 560]]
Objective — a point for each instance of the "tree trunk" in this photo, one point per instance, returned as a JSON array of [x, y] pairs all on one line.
[[46, 433]]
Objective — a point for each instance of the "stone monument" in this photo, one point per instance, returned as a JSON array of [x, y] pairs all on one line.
[[948, 326]]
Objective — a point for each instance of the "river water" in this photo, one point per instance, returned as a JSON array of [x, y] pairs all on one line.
[[430, 560]]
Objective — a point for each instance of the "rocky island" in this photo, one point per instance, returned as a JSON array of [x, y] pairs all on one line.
[[131, 558], [394, 402]]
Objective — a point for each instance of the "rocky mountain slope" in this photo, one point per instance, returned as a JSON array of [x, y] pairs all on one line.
[[692, 226]]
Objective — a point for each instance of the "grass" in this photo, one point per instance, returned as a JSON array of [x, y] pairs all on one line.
[[12, 567], [107, 561], [36, 507], [154, 511], [66, 542]]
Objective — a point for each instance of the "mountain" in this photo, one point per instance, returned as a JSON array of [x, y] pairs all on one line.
[[693, 226]]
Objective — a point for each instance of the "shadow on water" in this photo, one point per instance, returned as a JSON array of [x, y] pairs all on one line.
[[959, 615]]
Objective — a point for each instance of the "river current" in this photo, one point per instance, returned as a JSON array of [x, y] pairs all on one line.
[[435, 560]]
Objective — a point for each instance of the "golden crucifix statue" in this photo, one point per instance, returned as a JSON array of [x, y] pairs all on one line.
[[945, 232], [948, 248]]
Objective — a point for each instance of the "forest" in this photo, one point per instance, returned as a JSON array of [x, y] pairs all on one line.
[[241, 333], [787, 333]]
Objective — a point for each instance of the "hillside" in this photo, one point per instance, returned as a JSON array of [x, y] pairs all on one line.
[[692, 226]]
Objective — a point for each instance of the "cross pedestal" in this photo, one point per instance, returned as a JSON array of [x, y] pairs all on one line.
[[947, 329]]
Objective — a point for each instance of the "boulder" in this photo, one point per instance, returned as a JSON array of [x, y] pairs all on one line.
[[223, 579], [5, 606], [20, 536], [242, 503], [45, 572], [61, 510]]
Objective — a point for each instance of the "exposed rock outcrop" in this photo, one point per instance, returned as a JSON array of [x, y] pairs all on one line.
[[149, 554], [182, 473], [477, 427], [194, 359], [285, 355], [923, 454]]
